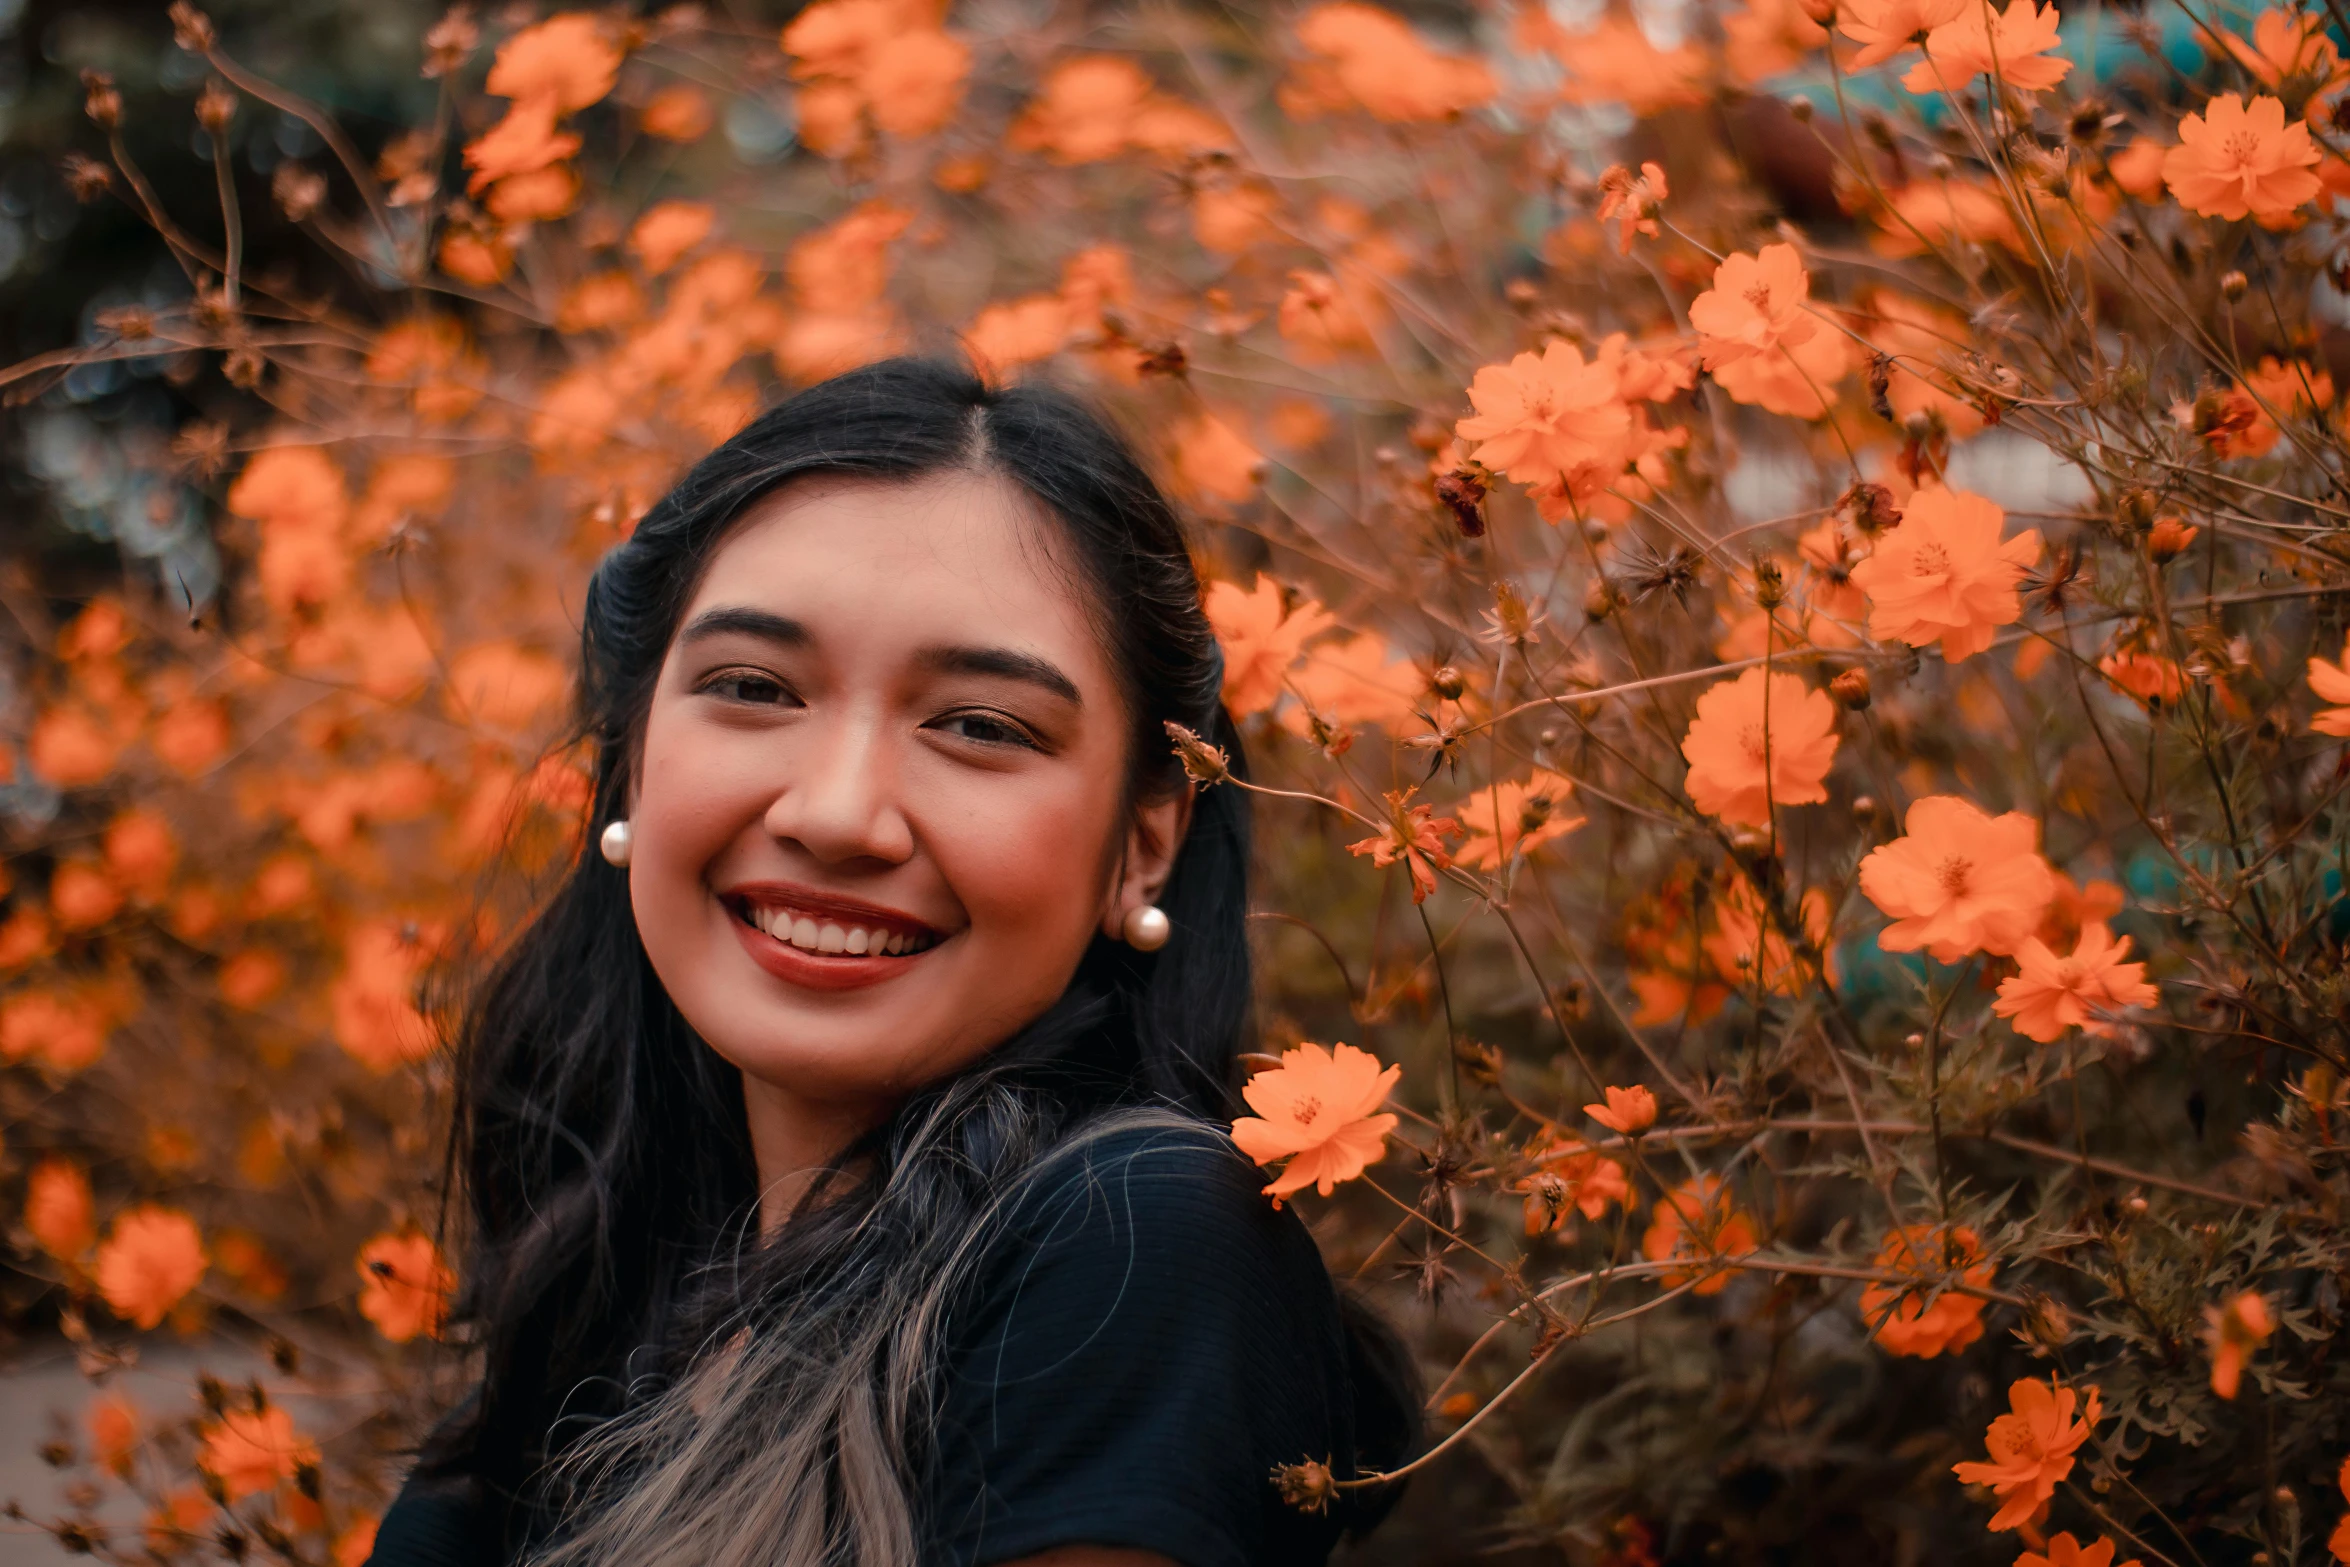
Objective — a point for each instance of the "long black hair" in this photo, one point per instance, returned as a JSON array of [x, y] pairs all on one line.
[[602, 1147]]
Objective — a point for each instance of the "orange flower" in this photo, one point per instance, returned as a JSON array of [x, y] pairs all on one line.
[[82, 896], [1883, 28], [71, 748], [2235, 1333], [1752, 746], [1018, 331], [1960, 881], [291, 489], [2236, 160], [1628, 1111], [668, 231], [1945, 573], [2289, 48], [1759, 337], [1615, 62], [373, 1000], [1766, 37], [1261, 639], [64, 1032], [1353, 681], [1317, 1109], [2011, 48], [1749, 944], [475, 255], [504, 685], [1368, 58], [407, 1285], [1415, 835], [2052, 994], [2331, 682], [2170, 537], [140, 853], [149, 1263], [2065, 1551], [1628, 200], [566, 60], [2137, 168], [1086, 112], [1544, 419], [1213, 463], [2031, 1448], [249, 1453], [1757, 304], [522, 144], [1699, 1220], [1569, 1176], [679, 112], [58, 1209], [1322, 318], [1514, 817], [2150, 677], [114, 1433], [1898, 1316]]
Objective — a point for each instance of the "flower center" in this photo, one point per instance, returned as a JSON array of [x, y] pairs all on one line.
[[1931, 560], [1305, 1109], [2243, 146], [1755, 742], [1953, 874], [1759, 296]]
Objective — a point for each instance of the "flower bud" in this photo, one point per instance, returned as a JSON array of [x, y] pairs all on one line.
[[1801, 109], [216, 106], [1448, 683], [191, 29], [1601, 599], [1463, 495], [1770, 584], [1202, 762], [1852, 689], [2169, 538], [1308, 1487], [1864, 809], [2135, 510], [100, 101], [2233, 285]]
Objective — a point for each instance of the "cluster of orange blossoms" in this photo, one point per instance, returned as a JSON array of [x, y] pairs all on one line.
[[1711, 712]]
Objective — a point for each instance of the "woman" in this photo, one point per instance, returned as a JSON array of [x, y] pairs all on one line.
[[841, 1144]]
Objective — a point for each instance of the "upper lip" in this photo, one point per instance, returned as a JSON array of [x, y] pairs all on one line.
[[808, 900]]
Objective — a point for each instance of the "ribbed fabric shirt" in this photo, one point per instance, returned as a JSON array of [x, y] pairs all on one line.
[[1147, 1339]]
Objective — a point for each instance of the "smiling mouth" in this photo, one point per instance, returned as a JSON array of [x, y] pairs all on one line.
[[824, 935]]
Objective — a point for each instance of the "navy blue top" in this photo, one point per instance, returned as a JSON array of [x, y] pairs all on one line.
[[1145, 1341]]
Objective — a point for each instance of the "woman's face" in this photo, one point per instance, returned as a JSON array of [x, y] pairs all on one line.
[[879, 811]]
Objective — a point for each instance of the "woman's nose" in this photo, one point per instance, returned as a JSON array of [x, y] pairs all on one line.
[[840, 800]]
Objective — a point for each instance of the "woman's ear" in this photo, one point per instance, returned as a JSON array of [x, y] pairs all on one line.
[[1153, 837]]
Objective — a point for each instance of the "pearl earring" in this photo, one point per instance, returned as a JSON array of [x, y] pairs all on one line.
[[1147, 928], [617, 843]]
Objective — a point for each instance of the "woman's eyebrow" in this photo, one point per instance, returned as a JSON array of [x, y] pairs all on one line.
[[1004, 663], [742, 620]]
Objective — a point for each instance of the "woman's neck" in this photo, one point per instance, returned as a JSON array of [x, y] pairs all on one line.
[[792, 1139]]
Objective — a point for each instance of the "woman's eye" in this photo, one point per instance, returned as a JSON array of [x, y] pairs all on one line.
[[744, 685], [986, 728]]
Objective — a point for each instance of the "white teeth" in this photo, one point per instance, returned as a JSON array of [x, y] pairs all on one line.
[[809, 935]]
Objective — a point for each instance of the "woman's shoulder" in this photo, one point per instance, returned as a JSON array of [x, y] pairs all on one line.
[[1161, 1187]]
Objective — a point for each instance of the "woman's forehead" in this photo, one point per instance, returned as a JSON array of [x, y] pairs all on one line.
[[904, 559]]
